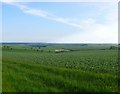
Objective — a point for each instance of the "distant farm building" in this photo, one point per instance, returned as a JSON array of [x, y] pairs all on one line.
[[61, 50]]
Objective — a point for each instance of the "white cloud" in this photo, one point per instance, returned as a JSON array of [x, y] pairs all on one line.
[[96, 33], [92, 31], [44, 14], [50, 16], [60, 0], [7, 0]]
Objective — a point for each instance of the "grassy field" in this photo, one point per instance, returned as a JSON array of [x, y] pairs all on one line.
[[88, 69], [0, 69]]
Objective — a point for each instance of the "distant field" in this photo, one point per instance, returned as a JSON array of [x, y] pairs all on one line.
[[89, 68]]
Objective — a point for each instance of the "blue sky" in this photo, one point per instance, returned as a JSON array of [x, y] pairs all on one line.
[[59, 22]]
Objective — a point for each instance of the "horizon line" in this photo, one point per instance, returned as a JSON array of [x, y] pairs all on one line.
[[56, 43]]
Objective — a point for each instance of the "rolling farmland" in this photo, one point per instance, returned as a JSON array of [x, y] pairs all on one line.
[[86, 68]]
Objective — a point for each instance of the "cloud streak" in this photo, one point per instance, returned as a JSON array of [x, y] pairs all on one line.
[[95, 33], [91, 31], [44, 14], [61, 0]]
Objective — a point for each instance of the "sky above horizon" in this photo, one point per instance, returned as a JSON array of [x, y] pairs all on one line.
[[60, 22]]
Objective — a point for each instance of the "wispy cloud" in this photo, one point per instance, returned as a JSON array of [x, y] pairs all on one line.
[[95, 33], [61, 0], [92, 31], [44, 14]]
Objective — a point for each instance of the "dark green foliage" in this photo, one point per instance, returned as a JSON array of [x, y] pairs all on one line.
[[113, 47]]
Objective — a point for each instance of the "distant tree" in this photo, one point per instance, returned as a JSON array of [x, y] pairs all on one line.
[[113, 48], [103, 49], [7, 47]]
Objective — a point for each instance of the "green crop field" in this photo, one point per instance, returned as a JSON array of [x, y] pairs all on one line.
[[91, 68], [0, 77]]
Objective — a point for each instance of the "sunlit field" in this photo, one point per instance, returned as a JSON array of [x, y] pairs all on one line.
[[75, 68]]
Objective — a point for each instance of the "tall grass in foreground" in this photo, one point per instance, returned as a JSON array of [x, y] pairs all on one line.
[[87, 71]]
